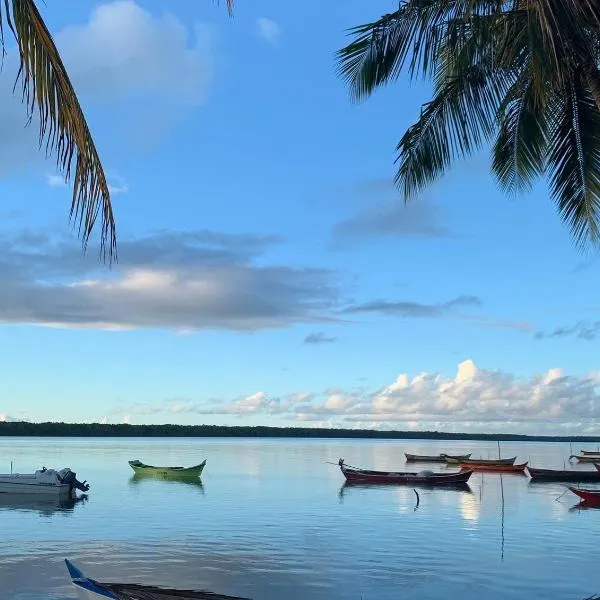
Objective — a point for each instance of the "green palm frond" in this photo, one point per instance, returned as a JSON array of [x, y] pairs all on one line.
[[63, 127], [574, 159], [519, 151]]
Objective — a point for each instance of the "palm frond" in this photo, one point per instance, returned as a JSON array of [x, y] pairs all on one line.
[[574, 159], [63, 127], [460, 117], [519, 151], [415, 32]]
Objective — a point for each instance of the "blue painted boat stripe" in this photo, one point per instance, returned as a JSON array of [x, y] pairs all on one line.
[[91, 586]]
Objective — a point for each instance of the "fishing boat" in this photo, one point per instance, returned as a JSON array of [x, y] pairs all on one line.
[[440, 458], [142, 469], [89, 589], [353, 474], [493, 468], [562, 475], [43, 481], [588, 496], [481, 461], [586, 458], [591, 452]]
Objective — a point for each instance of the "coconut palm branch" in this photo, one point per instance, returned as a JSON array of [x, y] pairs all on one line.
[[518, 75], [63, 129]]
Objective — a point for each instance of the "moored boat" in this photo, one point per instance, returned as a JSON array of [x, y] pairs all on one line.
[[586, 458], [494, 468], [591, 452], [142, 469], [481, 461], [440, 458], [354, 474], [588, 496], [43, 481], [89, 589], [562, 475]]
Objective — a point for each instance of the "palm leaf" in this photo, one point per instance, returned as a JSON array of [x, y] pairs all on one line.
[[460, 117], [519, 151], [63, 127], [417, 30], [574, 159]]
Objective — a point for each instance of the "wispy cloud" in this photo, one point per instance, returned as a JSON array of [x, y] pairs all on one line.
[[319, 337], [583, 330], [56, 180], [268, 30], [412, 309]]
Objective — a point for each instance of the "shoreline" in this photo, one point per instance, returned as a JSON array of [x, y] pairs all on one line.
[[55, 429]]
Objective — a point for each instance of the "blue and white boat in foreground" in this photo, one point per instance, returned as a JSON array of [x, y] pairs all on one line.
[[89, 589]]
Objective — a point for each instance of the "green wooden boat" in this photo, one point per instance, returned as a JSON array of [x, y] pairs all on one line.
[[141, 469]]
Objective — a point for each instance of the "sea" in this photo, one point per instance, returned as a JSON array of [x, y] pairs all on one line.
[[272, 519]]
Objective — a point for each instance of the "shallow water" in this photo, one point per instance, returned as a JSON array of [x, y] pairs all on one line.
[[273, 520]]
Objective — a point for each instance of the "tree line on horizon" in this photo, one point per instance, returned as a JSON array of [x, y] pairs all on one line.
[[59, 429]]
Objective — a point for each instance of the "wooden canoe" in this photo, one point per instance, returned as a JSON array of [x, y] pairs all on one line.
[[589, 496], [141, 469], [562, 475], [89, 589], [353, 474], [440, 458], [502, 468], [481, 461], [586, 458]]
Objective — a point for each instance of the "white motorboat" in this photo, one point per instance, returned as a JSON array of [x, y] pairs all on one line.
[[43, 481]]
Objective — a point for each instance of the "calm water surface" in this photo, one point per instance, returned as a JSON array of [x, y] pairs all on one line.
[[272, 520]]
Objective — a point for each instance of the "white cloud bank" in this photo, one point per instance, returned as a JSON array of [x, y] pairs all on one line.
[[477, 400]]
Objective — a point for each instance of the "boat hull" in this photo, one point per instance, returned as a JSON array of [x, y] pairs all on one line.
[[503, 468], [588, 496], [587, 458], [27, 484], [175, 472], [482, 462], [440, 458], [354, 475], [564, 475]]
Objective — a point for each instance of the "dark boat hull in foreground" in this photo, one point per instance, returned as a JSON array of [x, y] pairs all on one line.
[[562, 475], [90, 589], [440, 458], [588, 496], [352, 474]]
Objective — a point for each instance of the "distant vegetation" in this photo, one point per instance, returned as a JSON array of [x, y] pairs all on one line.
[[23, 428]]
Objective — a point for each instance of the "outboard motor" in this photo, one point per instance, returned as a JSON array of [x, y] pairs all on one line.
[[67, 476]]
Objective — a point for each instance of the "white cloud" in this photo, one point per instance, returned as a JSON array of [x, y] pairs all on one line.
[[182, 281], [268, 30], [150, 69], [125, 51], [475, 399], [56, 180]]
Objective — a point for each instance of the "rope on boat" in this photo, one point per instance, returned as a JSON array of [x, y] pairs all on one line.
[[418, 499]]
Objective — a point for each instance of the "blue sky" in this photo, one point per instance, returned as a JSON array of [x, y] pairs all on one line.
[[269, 272]]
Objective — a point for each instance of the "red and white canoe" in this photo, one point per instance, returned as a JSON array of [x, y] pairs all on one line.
[[589, 496], [355, 475]]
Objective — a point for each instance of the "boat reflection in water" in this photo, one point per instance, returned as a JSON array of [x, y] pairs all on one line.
[[193, 482], [351, 485], [45, 505]]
